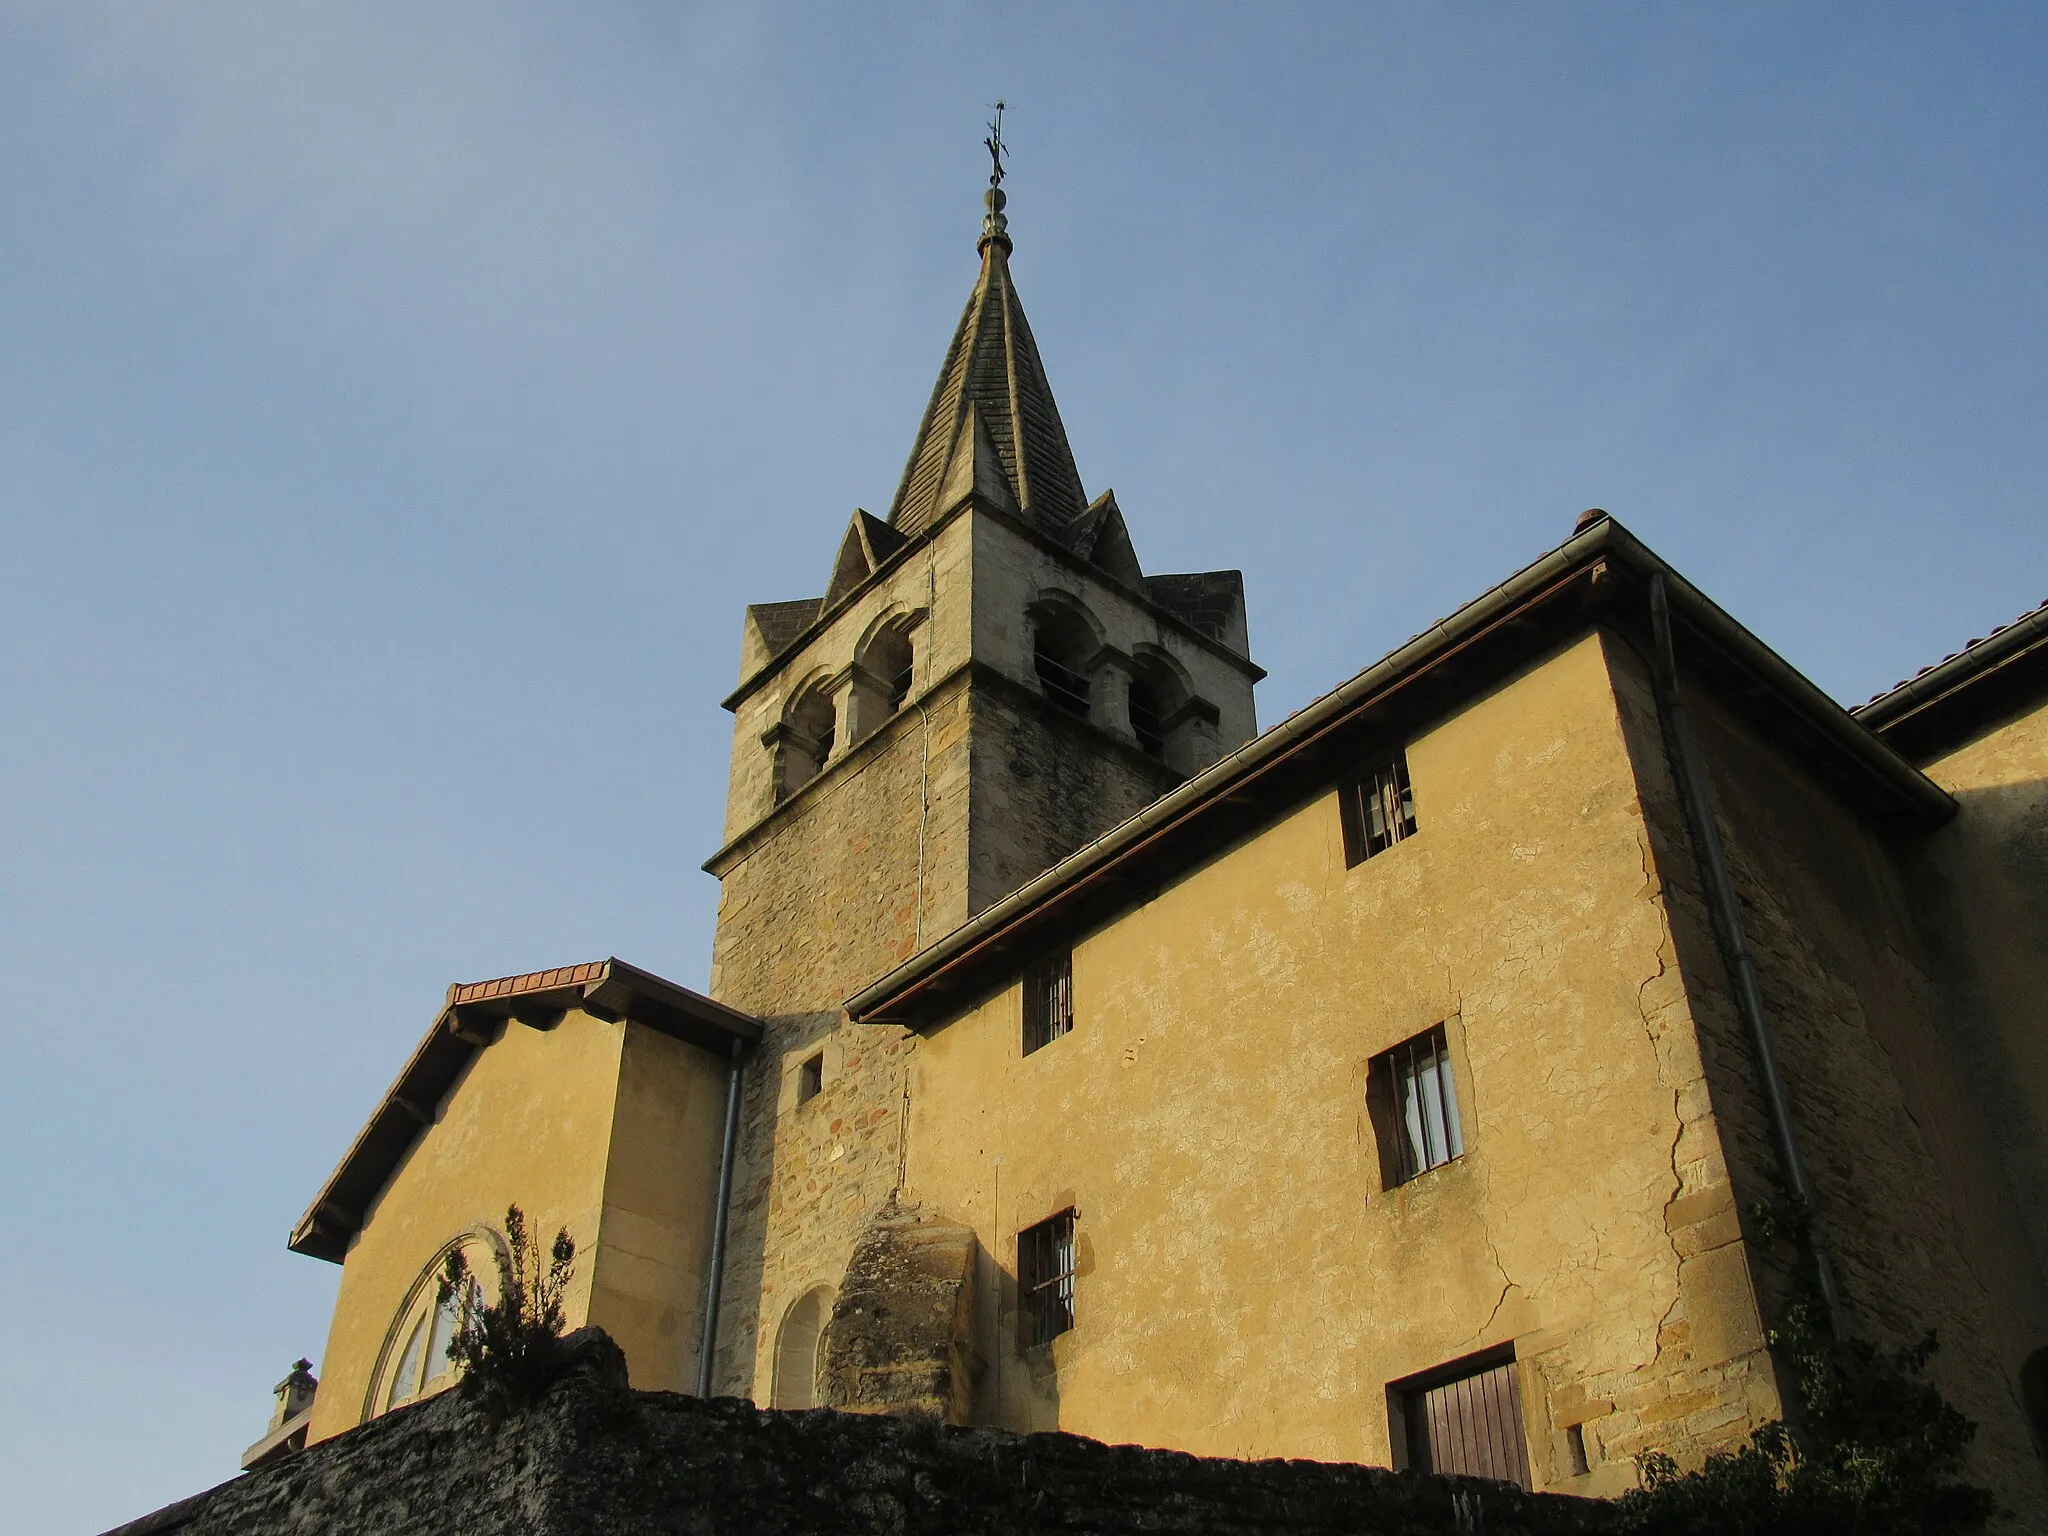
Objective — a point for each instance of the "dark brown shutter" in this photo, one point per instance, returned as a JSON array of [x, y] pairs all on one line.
[[1470, 1427]]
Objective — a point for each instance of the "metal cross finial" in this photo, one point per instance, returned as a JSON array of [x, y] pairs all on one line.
[[996, 151]]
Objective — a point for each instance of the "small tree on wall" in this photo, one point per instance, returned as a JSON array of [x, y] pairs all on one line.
[[507, 1350]]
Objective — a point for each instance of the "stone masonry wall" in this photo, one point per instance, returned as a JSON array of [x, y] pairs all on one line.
[[976, 785], [1905, 1192], [1045, 784], [824, 903], [593, 1456], [826, 900]]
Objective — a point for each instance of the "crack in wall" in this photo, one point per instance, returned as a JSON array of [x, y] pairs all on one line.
[[1653, 890]]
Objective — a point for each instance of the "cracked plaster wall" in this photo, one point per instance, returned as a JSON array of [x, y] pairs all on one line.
[[1246, 1287], [1910, 1180]]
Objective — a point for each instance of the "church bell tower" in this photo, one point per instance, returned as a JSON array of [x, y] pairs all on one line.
[[988, 681]]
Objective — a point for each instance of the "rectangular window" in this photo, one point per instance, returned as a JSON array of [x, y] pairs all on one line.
[[1048, 1000], [1378, 810], [1414, 1104], [1045, 1279], [1468, 1423], [1575, 1450], [810, 1079]]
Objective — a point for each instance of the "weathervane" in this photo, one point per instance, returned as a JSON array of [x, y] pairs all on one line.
[[994, 141], [995, 229]]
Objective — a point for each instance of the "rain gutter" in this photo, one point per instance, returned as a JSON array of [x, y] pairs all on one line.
[[1897, 782]]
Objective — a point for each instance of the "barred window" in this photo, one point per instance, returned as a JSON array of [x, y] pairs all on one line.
[[1414, 1105], [1378, 810], [1048, 1000], [1045, 1279]]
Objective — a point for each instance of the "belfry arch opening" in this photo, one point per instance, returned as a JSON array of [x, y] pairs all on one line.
[[1156, 694], [1062, 645], [884, 669], [808, 728]]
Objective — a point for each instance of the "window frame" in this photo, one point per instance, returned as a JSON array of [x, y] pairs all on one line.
[[1377, 809], [416, 1321], [1409, 1400], [1047, 1001], [1394, 1086], [1047, 1268], [810, 1078]]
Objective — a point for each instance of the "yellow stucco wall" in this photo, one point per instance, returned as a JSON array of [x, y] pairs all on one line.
[[526, 1124], [654, 1239], [608, 1129], [1989, 870], [1245, 1285], [1896, 1085]]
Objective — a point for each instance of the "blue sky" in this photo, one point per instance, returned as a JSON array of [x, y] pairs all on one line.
[[398, 404]]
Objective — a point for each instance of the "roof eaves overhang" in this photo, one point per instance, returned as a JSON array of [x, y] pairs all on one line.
[[473, 1016], [1601, 574], [1954, 700]]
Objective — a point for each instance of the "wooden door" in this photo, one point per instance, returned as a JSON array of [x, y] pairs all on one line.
[[1471, 1426]]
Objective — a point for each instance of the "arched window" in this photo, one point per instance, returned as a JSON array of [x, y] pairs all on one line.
[[800, 1351], [423, 1364], [808, 728], [1061, 647], [415, 1362]]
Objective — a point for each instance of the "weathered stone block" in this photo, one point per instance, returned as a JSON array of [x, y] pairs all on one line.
[[899, 1339]]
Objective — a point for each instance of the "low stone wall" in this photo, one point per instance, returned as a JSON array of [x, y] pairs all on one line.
[[595, 1456]]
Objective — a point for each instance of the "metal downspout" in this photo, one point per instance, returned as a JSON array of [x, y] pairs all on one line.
[[714, 1287], [1686, 768]]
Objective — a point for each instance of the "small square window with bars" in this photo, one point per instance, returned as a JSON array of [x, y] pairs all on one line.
[[1045, 1280], [1414, 1106], [1048, 1000], [1378, 810]]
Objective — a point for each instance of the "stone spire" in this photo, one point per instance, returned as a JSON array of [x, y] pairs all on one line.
[[992, 422]]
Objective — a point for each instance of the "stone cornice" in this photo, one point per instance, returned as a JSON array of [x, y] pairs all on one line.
[[826, 618]]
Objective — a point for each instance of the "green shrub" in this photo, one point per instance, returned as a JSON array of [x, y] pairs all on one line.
[[1875, 1449], [507, 1350]]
